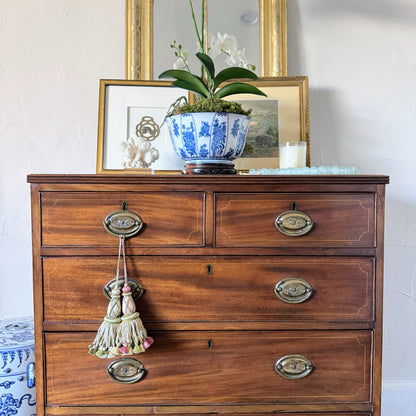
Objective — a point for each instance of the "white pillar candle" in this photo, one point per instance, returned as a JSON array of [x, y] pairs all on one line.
[[292, 155]]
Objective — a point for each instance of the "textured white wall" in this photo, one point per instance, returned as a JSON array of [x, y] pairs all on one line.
[[52, 55], [359, 56]]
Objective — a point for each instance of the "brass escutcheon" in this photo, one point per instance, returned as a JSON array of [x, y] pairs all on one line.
[[293, 290], [126, 370], [293, 366]]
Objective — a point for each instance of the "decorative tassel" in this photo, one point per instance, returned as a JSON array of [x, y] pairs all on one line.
[[105, 339], [131, 333], [105, 343]]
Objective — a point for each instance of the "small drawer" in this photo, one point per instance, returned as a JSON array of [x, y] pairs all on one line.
[[206, 367], [264, 289], [76, 218], [337, 220]]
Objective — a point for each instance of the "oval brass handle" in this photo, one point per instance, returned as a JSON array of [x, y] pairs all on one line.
[[123, 222], [293, 366], [293, 223], [136, 288], [126, 370], [293, 290]]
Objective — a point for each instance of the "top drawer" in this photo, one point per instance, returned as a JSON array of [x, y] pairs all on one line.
[[76, 218], [339, 220]]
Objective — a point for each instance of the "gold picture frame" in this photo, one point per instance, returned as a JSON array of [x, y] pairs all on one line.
[[139, 39], [290, 96], [126, 106]]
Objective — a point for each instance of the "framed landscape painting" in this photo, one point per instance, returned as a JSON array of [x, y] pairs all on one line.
[[282, 116]]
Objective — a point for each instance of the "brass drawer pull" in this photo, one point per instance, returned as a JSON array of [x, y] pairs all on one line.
[[123, 222], [136, 288], [293, 366], [126, 370], [293, 223], [293, 290]]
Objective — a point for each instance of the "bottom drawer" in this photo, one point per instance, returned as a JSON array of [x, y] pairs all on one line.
[[201, 368], [55, 412], [79, 412]]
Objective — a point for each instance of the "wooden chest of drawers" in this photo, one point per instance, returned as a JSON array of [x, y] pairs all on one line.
[[248, 317]]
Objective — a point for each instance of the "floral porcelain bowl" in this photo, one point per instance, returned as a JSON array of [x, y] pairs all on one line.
[[202, 138]]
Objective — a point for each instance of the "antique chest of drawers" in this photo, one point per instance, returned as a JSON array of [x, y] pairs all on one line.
[[263, 294]]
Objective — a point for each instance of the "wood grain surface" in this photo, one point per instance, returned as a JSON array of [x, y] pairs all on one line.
[[76, 219], [179, 289], [238, 368], [339, 220]]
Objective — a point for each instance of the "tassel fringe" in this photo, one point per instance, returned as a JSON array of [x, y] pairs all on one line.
[[132, 334], [106, 338]]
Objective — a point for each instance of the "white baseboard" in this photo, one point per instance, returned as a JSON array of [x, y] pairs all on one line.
[[398, 398]]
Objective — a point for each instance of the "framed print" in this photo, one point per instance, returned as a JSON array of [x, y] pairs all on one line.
[[282, 116], [132, 134], [152, 26]]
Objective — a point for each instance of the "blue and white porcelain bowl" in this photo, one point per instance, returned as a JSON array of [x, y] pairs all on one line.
[[208, 137], [17, 367]]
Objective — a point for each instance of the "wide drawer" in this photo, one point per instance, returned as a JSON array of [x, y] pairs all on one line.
[[215, 288], [339, 220], [76, 218], [145, 411], [215, 367]]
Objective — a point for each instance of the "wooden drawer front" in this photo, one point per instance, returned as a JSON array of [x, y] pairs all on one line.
[[181, 289], [248, 220], [238, 368], [147, 411], [76, 218]]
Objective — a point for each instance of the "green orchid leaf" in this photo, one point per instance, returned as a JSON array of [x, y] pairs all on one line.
[[233, 73], [238, 88], [190, 87], [208, 63], [189, 78]]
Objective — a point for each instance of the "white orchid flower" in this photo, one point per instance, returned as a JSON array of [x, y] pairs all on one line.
[[179, 64], [215, 43], [229, 44], [238, 58]]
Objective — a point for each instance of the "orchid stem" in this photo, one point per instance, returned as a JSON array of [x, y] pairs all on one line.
[[201, 43], [205, 25]]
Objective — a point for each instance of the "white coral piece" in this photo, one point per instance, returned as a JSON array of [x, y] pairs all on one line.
[[138, 153]]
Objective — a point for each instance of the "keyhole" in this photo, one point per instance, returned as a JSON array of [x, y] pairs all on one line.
[[209, 269], [210, 344]]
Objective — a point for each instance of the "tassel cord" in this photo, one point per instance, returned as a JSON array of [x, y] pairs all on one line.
[[123, 247]]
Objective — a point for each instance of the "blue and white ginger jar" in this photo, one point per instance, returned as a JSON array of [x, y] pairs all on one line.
[[17, 367], [202, 138]]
